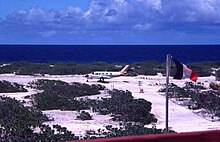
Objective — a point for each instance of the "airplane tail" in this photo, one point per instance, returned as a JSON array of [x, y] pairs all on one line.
[[124, 69]]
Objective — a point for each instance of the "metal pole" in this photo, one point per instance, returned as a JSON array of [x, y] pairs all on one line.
[[168, 66]]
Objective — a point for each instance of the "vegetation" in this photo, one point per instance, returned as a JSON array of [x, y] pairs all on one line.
[[8, 87], [198, 99], [147, 68], [21, 124], [218, 75], [204, 68], [49, 101], [125, 129], [84, 116], [209, 100], [144, 68], [201, 68], [61, 95], [175, 91], [27, 68], [124, 108], [58, 87]]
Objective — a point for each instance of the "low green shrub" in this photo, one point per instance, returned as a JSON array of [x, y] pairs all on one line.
[[19, 123], [8, 87], [62, 95], [84, 116], [123, 107]]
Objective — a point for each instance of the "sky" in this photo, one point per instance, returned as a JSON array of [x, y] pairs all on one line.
[[130, 22]]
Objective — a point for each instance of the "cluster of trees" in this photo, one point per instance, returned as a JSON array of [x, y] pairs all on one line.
[[144, 68], [8, 87], [28, 68], [218, 75], [201, 68], [209, 100], [123, 107], [49, 101], [175, 91], [125, 129], [24, 124], [19, 123], [147, 68], [133, 114], [62, 95], [84, 116], [60, 87], [205, 68]]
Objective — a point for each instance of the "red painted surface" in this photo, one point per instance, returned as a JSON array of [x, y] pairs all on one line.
[[194, 76], [205, 136]]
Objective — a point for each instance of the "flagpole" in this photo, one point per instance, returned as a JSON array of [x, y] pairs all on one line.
[[168, 66]]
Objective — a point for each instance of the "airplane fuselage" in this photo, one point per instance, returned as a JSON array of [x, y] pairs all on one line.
[[103, 74], [106, 74]]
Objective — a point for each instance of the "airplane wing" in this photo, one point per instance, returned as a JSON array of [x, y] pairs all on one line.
[[105, 77]]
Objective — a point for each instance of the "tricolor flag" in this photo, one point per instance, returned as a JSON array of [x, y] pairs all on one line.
[[183, 71]]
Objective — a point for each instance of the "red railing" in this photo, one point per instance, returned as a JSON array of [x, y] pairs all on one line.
[[204, 136]]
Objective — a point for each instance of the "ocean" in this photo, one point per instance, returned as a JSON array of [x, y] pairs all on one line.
[[108, 53]]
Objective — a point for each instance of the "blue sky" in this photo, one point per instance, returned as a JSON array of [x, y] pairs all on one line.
[[109, 22]]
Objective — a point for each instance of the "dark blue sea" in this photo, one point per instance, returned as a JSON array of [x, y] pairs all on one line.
[[108, 53]]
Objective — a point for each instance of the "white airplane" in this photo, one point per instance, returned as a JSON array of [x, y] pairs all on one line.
[[101, 75]]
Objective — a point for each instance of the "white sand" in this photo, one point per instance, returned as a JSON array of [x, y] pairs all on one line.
[[181, 119]]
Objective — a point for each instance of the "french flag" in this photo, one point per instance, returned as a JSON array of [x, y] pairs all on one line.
[[183, 71]]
